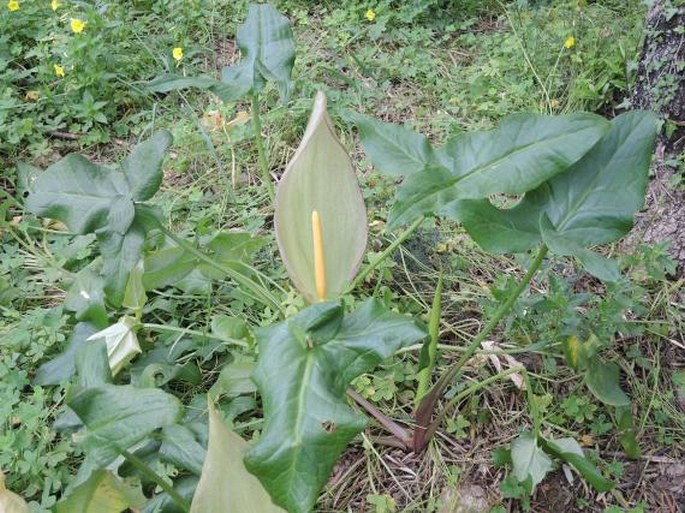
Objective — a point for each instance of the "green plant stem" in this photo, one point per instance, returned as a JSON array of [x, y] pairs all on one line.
[[153, 476], [188, 331], [261, 151], [261, 294], [467, 392], [494, 321], [532, 405], [386, 252], [431, 349], [425, 409]]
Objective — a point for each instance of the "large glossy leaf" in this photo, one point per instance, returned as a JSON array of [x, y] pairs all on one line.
[[513, 230], [394, 150], [320, 177], [90, 198], [62, 366], [180, 447], [82, 195], [120, 254], [529, 460], [304, 368], [597, 265], [167, 266], [568, 450], [143, 166], [267, 54], [267, 51], [521, 154], [102, 493], [118, 417], [225, 484], [593, 202], [86, 297]]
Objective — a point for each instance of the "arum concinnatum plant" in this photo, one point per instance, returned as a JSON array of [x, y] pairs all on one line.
[[267, 49], [321, 230], [582, 179]]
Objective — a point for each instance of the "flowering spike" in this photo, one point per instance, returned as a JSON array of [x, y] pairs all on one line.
[[320, 177], [319, 261]]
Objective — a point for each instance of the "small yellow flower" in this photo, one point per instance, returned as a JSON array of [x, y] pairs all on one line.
[[13, 5], [59, 70], [177, 53], [77, 25], [370, 15], [54, 4], [570, 42]]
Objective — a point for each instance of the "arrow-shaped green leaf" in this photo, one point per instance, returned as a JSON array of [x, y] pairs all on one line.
[[568, 450], [267, 50], [521, 154], [308, 423], [593, 202], [143, 166], [529, 460], [83, 195], [394, 150], [118, 417]]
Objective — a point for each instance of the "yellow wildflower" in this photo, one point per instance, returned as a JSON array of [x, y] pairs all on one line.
[[13, 5], [370, 15], [59, 70], [77, 25], [54, 4], [570, 42], [177, 53]]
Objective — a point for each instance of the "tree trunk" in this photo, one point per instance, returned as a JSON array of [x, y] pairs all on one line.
[[660, 86]]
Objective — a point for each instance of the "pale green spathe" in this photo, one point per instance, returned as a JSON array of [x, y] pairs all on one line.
[[320, 177], [225, 484]]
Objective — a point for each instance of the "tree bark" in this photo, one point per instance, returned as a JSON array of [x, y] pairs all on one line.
[[660, 86]]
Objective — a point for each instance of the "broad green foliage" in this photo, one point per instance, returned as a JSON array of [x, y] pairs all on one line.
[[593, 202], [307, 422], [268, 54], [602, 378], [523, 153], [568, 450], [530, 456], [62, 367], [531, 463], [320, 177], [225, 484], [116, 418], [102, 493], [90, 198]]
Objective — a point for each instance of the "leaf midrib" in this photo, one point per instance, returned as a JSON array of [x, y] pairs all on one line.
[[513, 154], [301, 394]]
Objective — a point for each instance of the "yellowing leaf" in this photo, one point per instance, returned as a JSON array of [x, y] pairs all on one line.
[[225, 484], [320, 177], [102, 493], [10, 502]]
